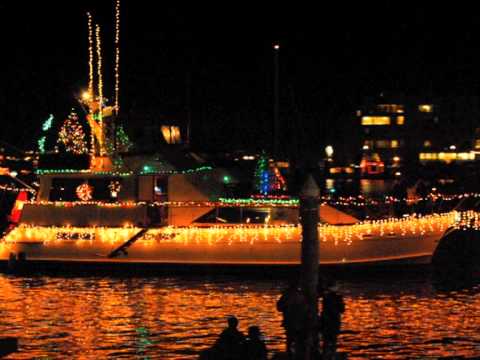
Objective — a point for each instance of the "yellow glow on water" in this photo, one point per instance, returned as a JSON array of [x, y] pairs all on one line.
[[175, 318]]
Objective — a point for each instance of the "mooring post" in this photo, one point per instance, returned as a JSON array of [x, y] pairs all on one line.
[[309, 201]]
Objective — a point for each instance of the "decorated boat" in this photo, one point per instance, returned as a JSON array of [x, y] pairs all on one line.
[[119, 208], [164, 216]]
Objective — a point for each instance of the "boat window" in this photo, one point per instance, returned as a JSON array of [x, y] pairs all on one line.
[[161, 188], [234, 215], [254, 216], [221, 215], [102, 189]]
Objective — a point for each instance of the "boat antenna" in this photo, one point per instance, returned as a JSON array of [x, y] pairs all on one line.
[[276, 102], [90, 95], [117, 57]]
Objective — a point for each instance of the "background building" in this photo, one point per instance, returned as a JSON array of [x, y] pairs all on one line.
[[398, 131]]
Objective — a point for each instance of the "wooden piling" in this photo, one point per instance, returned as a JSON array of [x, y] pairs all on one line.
[[309, 201]]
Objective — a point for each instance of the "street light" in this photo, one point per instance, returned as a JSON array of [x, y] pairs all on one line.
[[86, 96], [329, 151]]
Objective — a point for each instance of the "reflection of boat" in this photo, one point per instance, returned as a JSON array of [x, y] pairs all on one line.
[[166, 216]]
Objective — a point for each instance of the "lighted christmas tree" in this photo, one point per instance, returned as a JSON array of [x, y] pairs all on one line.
[[71, 135], [120, 143], [123, 142], [268, 178]]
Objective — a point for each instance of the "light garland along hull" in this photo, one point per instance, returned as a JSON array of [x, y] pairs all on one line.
[[396, 241]]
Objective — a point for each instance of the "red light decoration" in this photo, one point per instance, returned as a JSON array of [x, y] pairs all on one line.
[[84, 192]]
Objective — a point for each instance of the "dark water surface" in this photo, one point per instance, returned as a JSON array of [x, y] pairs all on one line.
[[102, 317]]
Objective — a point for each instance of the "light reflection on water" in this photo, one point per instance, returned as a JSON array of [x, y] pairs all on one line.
[[176, 317]]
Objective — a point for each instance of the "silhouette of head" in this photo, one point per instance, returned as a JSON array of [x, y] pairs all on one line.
[[232, 322], [254, 332]]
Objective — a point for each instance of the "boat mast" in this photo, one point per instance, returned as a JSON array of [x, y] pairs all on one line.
[[116, 108], [276, 103], [117, 57]]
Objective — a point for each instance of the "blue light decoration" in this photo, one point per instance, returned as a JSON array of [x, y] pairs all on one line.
[[268, 178], [264, 185]]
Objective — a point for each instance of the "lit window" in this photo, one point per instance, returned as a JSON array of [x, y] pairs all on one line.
[[391, 108], [359, 112], [428, 156], [171, 134], [447, 157], [400, 120], [394, 144], [426, 108], [477, 144], [382, 144], [375, 120]]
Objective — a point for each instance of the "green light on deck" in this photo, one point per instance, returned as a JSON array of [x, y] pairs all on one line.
[[227, 179]]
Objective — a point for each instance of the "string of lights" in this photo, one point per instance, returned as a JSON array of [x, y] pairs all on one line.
[[148, 170], [100, 86], [117, 56], [15, 189], [222, 202], [386, 230], [90, 56], [91, 91], [80, 171]]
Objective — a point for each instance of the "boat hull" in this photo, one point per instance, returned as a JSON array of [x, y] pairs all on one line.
[[208, 246]]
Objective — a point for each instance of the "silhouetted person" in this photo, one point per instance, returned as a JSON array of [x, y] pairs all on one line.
[[231, 343], [255, 348], [332, 308], [292, 304]]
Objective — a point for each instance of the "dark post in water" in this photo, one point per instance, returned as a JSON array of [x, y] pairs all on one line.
[[309, 201]]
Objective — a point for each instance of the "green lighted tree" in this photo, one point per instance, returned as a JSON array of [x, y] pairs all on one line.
[[261, 176], [123, 142]]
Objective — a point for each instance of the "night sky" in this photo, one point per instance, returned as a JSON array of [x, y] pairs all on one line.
[[332, 56]]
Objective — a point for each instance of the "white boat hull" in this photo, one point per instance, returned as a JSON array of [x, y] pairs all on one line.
[[229, 245]]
